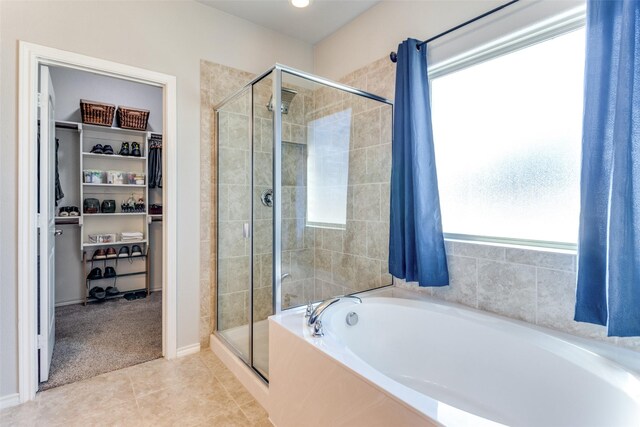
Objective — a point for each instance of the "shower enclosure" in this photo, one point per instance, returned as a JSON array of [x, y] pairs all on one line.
[[304, 168]]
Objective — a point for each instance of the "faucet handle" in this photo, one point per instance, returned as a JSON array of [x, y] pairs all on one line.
[[317, 329], [309, 310]]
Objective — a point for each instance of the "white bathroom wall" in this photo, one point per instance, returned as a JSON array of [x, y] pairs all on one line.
[[165, 36], [380, 29]]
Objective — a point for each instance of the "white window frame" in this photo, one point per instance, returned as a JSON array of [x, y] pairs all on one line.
[[559, 25]]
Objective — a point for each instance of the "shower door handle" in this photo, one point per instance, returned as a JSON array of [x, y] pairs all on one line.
[[246, 231]]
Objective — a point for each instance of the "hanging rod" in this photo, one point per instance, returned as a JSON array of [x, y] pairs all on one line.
[[394, 56]]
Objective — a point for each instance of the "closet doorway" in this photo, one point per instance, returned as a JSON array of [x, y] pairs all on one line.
[[97, 278]]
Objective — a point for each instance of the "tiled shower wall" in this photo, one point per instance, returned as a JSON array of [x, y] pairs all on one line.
[[534, 285], [216, 83], [319, 262]]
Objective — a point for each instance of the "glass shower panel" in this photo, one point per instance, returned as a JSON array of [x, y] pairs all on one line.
[[234, 222], [336, 168], [262, 221]]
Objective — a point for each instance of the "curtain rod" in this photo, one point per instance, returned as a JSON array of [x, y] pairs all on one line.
[[394, 56]]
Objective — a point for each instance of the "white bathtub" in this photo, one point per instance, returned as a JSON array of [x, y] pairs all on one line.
[[462, 367]]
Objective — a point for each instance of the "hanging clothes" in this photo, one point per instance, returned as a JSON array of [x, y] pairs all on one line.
[[59, 192], [155, 161]]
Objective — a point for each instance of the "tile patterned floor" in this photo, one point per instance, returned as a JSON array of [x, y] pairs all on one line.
[[196, 390]]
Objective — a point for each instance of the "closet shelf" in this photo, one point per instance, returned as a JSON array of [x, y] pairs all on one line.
[[135, 273], [118, 243], [112, 156], [115, 214], [67, 220], [120, 295], [114, 259], [90, 184], [116, 129]]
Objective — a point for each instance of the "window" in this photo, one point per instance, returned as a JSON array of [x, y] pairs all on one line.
[[328, 170], [507, 138]]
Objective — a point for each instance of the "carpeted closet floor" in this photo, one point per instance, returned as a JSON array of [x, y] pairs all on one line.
[[104, 337]]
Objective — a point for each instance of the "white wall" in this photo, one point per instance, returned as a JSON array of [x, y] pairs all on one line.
[[164, 36], [380, 29]]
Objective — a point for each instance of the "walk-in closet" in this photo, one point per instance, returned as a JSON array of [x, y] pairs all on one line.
[[108, 219]]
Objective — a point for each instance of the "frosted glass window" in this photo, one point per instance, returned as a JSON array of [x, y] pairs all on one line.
[[328, 170], [507, 138]]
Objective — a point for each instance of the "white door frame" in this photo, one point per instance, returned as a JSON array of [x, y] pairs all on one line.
[[30, 57]]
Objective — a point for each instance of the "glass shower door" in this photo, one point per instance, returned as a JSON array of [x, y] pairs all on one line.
[[234, 273]]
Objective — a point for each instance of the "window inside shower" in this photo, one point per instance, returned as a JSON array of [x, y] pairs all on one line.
[[303, 202]]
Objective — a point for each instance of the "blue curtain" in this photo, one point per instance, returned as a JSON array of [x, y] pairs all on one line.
[[416, 244], [608, 291]]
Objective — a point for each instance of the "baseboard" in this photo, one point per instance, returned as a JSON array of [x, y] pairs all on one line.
[[249, 379], [9, 400], [188, 349]]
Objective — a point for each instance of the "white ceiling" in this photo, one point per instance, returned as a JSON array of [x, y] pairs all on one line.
[[310, 24]]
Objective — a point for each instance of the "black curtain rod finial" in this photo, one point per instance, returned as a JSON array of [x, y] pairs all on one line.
[[393, 57]]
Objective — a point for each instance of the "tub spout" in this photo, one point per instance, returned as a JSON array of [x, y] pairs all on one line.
[[316, 314]]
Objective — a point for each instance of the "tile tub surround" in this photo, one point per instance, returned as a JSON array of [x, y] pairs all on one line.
[[194, 390], [530, 284]]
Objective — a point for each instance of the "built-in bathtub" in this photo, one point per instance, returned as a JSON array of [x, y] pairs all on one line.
[[416, 362]]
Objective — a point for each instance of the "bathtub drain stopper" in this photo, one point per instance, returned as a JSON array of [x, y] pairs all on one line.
[[352, 318]]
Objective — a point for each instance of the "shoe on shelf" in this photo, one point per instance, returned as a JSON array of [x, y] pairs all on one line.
[[73, 211], [136, 250], [107, 149], [124, 252], [64, 211], [98, 293], [95, 274], [99, 254], [111, 253], [112, 291], [109, 272], [135, 149], [124, 149], [97, 149]]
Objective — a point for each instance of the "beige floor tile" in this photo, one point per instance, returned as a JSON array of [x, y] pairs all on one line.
[[186, 405], [191, 391], [234, 387], [233, 418], [264, 422], [254, 411], [159, 374], [212, 362]]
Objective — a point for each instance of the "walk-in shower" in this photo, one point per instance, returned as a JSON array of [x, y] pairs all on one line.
[[303, 201]]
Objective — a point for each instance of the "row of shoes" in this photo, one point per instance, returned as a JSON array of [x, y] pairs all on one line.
[[124, 149], [96, 273], [110, 253], [100, 294], [69, 211]]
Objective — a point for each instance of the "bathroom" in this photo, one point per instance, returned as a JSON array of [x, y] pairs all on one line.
[[243, 266]]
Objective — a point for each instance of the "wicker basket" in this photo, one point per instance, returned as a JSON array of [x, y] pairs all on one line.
[[132, 118], [97, 113]]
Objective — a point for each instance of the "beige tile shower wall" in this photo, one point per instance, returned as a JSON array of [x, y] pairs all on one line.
[[216, 83], [355, 259]]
